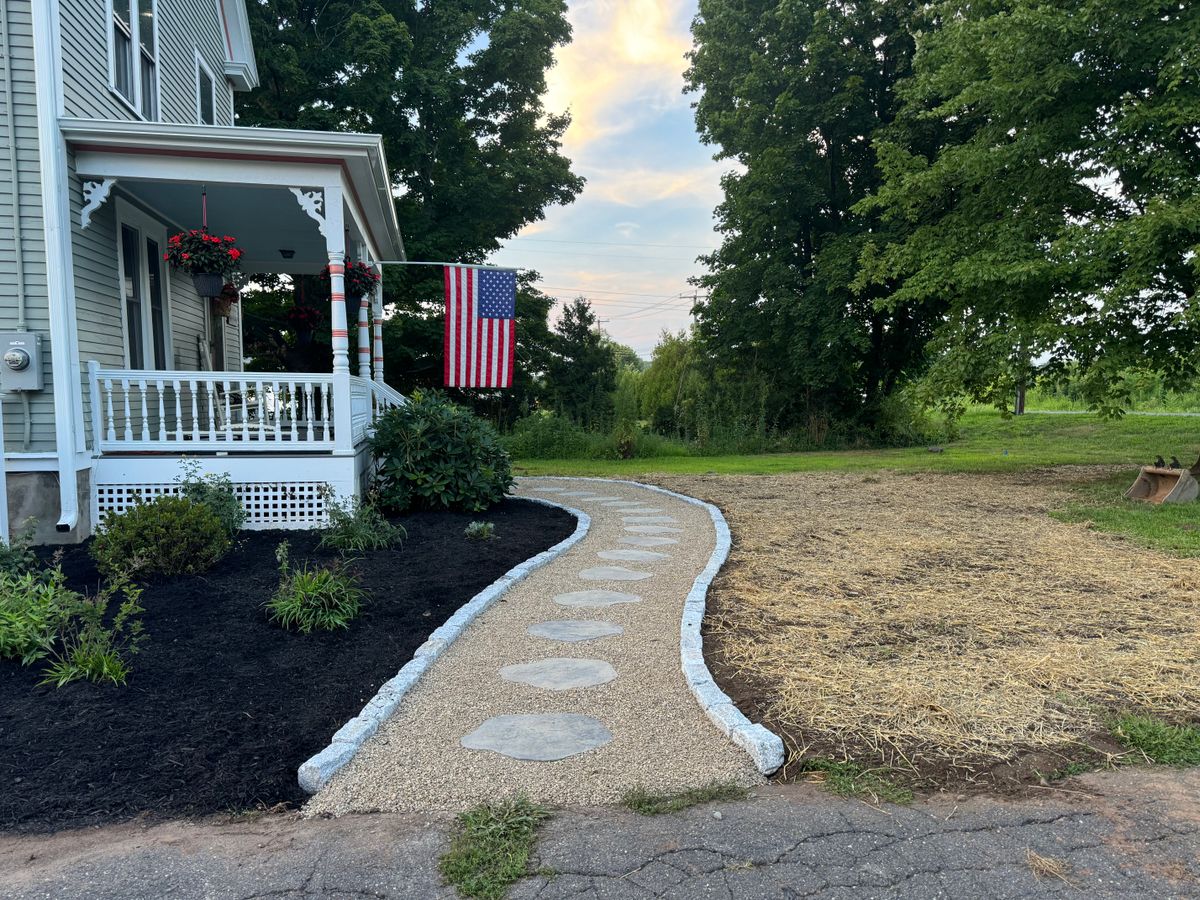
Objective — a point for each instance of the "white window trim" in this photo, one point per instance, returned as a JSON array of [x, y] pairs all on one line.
[[147, 227], [135, 105], [201, 65]]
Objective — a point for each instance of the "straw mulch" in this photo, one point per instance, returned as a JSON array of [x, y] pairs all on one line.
[[941, 623]]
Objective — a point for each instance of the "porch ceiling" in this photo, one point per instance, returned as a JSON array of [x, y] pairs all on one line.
[[248, 173]]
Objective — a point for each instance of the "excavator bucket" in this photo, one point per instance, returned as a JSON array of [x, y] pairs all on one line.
[[1160, 485]]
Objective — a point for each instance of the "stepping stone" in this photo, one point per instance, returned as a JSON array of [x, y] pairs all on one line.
[[542, 738], [580, 494], [599, 497], [642, 510], [572, 631], [645, 540], [632, 555], [560, 673], [618, 503], [547, 490], [652, 529], [650, 520], [595, 598], [613, 573]]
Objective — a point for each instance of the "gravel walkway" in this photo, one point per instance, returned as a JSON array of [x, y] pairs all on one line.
[[509, 692]]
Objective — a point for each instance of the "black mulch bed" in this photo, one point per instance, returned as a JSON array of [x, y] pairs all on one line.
[[222, 707]]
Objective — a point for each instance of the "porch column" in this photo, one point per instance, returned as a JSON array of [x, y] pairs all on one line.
[[335, 247], [377, 302], [364, 336]]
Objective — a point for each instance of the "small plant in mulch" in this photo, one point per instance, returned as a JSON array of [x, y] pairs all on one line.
[[849, 779], [95, 646], [164, 536], [647, 804], [1160, 741], [480, 531], [313, 598], [214, 491], [33, 607], [491, 846], [357, 526], [17, 556]]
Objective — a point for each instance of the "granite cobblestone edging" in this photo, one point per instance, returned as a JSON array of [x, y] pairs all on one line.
[[316, 771], [763, 746]]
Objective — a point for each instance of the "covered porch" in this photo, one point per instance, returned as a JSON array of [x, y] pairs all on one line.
[[297, 202]]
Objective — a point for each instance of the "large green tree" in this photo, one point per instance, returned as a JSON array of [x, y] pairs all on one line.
[[455, 88], [1056, 224], [582, 369], [794, 93]]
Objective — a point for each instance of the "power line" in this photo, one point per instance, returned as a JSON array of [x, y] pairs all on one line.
[[616, 243], [610, 255]]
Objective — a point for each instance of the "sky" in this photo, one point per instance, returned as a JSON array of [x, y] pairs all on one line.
[[629, 242]]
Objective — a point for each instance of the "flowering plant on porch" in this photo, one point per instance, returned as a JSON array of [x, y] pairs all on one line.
[[360, 279], [207, 258]]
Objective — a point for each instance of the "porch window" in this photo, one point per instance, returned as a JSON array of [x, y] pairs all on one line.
[[206, 94], [143, 291], [135, 55]]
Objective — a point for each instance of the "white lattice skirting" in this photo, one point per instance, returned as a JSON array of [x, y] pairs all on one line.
[[276, 492]]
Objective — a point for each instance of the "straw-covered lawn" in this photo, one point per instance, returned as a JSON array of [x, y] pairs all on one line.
[[943, 625]]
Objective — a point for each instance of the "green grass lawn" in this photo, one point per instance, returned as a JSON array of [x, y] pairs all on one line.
[[1171, 527], [986, 443]]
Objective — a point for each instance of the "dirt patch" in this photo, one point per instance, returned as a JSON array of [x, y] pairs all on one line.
[[944, 626], [222, 706]]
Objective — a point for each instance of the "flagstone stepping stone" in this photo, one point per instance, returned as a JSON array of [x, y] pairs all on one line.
[[547, 490], [632, 555], [572, 631], [541, 738], [618, 503], [560, 673], [642, 510], [646, 540], [652, 529], [613, 573], [595, 598], [650, 520], [580, 494], [599, 497]]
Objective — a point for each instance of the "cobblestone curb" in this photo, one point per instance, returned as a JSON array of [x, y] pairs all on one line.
[[316, 771], [764, 746]]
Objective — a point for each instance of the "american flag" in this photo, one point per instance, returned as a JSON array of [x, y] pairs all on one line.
[[481, 335]]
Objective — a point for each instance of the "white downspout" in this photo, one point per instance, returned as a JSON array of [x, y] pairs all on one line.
[[56, 218]]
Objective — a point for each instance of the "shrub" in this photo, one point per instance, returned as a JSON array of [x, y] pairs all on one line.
[[357, 525], [17, 556], [165, 536], [480, 531], [317, 598], [432, 453], [33, 608], [215, 492], [545, 435], [92, 649]]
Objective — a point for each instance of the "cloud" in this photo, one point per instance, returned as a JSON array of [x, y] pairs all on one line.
[[624, 66], [642, 186], [626, 229]]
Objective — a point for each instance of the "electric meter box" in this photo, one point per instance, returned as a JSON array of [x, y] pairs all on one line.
[[20, 361]]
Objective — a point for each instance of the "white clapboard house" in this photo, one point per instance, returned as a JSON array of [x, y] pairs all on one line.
[[115, 116]]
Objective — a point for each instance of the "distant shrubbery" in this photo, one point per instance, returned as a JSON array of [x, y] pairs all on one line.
[[434, 454]]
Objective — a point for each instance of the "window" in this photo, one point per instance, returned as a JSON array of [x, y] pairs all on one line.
[[135, 55], [143, 290], [206, 93]]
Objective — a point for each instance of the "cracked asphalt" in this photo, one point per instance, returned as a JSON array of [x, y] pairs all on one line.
[[1126, 834]]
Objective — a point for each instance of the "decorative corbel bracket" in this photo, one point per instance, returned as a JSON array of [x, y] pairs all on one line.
[[313, 204], [94, 195]]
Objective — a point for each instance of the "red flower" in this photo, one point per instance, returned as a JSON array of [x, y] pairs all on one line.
[[229, 239], [187, 256], [194, 232], [235, 253], [166, 256]]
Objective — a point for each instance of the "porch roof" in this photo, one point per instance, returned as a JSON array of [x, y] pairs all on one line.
[[248, 173]]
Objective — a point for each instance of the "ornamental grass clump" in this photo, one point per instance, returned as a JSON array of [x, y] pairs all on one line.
[[164, 536], [480, 531], [434, 454], [94, 645], [313, 599]]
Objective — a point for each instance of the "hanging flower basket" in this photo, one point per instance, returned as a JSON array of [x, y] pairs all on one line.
[[303, 321], [207, 258], [360, 279]]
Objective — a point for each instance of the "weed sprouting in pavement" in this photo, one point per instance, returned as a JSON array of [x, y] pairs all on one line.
[[491, 846]]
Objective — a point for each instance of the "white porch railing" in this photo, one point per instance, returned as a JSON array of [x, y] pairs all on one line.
[[152, 411]]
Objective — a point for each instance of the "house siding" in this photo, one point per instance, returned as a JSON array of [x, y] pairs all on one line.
[[21, 213], [185, 27]]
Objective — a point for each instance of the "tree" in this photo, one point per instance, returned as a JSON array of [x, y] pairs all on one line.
[[455, 88], [795, 93], [1056, 224], [582, 369]]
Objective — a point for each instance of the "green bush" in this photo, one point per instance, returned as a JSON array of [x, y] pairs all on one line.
[[33, 609], [308, 599], [17, 556], [215, 492], [480, 531], [431, 453], [545, 435], [165, 536], [357, 526], [94, 649]]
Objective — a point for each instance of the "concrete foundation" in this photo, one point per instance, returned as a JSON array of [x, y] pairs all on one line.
[[34, 495]]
